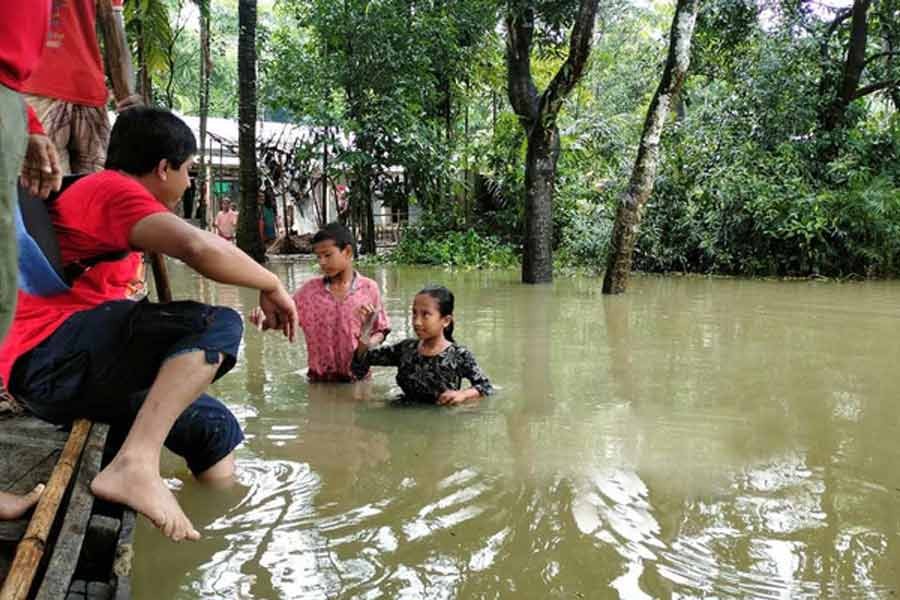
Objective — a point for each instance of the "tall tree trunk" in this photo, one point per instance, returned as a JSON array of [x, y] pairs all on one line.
[[323, 219], [631, 204], [833, 115], [205, 68], [248, 236], [369, 242], [540, 179], [538, 114]]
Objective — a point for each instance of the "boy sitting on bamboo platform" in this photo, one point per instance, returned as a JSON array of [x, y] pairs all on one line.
[[329, 306], [143, 367]]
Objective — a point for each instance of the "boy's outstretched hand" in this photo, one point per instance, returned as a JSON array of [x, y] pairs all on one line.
[[276, 310]]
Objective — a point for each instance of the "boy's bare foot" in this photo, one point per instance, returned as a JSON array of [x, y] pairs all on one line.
[[128, 482], [13, 506]]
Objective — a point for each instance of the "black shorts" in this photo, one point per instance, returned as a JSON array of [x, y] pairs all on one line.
[[100, 364]]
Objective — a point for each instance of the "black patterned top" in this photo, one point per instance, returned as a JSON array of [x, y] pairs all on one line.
[[424, 378]]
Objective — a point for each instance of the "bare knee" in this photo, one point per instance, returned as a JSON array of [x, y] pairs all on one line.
[[220, 474]]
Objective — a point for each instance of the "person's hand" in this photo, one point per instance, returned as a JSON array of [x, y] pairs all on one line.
[[367, 314], [258, 319], [452, 397], [41, 172], [279, 311], [129, 102]]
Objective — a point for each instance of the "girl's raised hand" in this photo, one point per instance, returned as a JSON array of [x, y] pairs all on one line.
[[367, 314], [258, 319]]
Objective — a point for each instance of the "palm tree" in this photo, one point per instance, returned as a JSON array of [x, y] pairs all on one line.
[[248, 236], [147, 23]]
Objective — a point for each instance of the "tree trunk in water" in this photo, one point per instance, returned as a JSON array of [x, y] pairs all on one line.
[[205, 67], [248, 236], [540, 176], [369, 246], [323, 220], [640, 186], [537, 114]]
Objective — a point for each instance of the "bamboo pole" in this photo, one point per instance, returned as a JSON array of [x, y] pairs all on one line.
[[31, 549]]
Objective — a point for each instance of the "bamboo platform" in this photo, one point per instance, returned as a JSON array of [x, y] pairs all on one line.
[[88, 549]]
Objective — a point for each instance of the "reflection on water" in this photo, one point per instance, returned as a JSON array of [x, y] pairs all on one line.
[[694, 439]]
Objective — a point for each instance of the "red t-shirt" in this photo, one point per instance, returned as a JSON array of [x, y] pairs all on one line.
[[94, 216], [23, 31], [71, 68]]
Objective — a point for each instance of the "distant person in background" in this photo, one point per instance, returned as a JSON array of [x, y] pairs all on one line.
[[226, 221], [68, 88], [267, 215]]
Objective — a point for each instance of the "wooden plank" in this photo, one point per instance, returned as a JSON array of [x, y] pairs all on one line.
[[23, 468], [124, 555], [55, 439], [31, 548], [12, 531], [65, 555], [31, 426]]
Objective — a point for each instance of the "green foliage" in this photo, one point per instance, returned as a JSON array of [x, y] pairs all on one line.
[[755, 212], [421, 85], [431, 246]]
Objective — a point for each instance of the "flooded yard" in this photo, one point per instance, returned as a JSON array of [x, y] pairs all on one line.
[[695, 438]]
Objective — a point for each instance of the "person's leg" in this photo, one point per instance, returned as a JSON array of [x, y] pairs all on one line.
[[13, 506], [100, 363], [13, 140], [90, 137], [206, 434], [133, 478], [56, 118]]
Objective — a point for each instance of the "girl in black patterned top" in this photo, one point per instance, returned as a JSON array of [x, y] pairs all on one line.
[[430, 367]]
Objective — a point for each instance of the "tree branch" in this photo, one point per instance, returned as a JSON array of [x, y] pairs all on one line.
[[841, 16], [875, 87], [884, 54], [570, 72]]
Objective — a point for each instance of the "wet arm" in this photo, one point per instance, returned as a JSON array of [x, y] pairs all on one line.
[[469, 369], [364, 357], [205, 252]]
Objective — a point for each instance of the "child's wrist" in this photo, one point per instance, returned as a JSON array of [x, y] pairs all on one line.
[[274, 284]]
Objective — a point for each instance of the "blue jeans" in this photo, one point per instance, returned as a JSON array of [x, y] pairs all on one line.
[[100, 364]]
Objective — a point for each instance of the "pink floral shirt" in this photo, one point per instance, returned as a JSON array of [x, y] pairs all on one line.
[[331, 326]]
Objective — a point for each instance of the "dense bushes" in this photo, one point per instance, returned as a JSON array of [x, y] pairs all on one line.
[[428, 246]]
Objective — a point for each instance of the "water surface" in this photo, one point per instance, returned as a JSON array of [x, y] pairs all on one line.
[[695, 438]]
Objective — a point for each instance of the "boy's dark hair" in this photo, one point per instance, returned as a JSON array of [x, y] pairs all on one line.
[[338, 234], [445, 302], [144, 135]]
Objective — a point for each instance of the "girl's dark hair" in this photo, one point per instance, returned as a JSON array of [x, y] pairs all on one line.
[[444, 299]]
